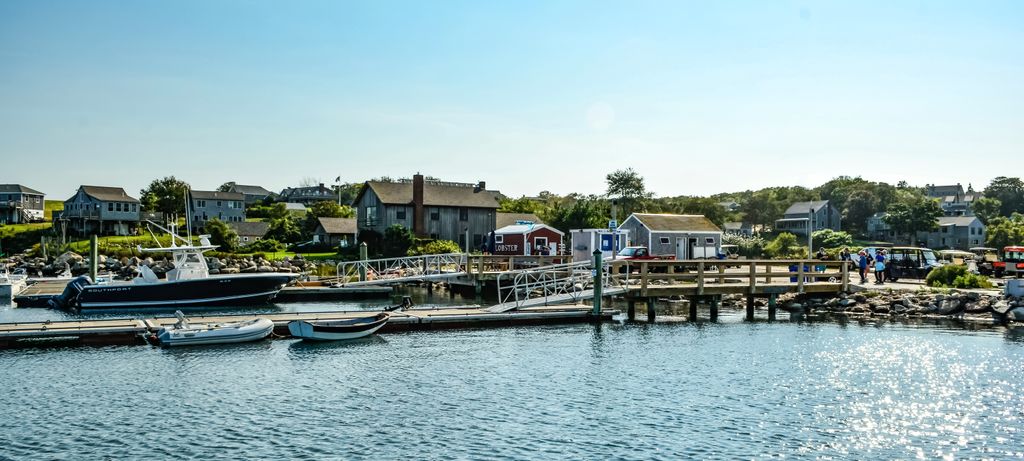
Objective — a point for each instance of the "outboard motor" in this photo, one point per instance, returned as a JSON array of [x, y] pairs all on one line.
[[69, 298]]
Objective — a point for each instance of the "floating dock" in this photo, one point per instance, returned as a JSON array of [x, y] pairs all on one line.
[[132, 331]]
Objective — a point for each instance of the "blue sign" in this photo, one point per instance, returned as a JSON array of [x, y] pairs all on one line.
[[607, 242], [612, 224]]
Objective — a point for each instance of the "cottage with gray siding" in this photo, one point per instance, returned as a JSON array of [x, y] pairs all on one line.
[[101, 211], [335, 232], [954, 232], [685, 236], [432, 209], [250, 232], [821, 213], [252, 194], [20, 204], [225, 206]]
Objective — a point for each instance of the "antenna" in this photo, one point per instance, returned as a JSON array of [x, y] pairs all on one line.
[[188, 216]]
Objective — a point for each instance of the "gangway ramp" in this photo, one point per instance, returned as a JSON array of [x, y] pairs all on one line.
[[555, 284]]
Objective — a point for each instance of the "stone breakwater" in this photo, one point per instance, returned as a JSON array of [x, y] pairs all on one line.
[[130, 267], [953, 304]]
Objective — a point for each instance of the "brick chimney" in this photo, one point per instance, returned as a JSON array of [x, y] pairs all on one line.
[[419, 226]]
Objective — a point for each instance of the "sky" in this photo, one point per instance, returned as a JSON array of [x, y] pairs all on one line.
[[698, 97]]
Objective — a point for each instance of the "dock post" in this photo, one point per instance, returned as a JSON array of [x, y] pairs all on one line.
[[94, 257], [652, 303], [363, 256], [693, 309], [451, 292], [631, 309], [598, 284], [430, 288], [714, 308], [750, 307], [478, 286], [771, 306]]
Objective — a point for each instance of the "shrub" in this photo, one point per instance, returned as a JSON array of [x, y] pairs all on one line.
[[955, 276], [262, 246], [436, 247]]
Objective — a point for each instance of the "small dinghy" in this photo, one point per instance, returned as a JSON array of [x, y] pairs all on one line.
[[184, 334], [334, 330]]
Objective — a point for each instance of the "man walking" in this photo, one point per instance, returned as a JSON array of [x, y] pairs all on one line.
[[862, 266]]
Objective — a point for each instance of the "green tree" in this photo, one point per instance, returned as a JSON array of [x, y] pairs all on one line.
[[909, 218], [578, 212], [708, 207], [1009, 191], [436, 247], [627, 188], [226, 187], [828, 238], [1003, 232], [397, 241], [860, 206], [785, 245], [759, 209], [284, 229], [222, 235], [166, 195], [520, 205], [987, 209]]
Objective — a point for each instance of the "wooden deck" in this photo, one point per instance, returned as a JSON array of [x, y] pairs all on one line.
[[131, 331]]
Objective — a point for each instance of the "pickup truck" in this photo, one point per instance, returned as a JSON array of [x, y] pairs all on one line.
[[640, 254]]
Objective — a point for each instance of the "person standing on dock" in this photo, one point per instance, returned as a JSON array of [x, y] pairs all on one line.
[[880, 267], [862, 266]]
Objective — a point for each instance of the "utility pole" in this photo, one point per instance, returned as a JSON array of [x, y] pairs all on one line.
[[810, 230]]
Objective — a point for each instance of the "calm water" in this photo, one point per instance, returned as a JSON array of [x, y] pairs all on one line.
[[613, 391]]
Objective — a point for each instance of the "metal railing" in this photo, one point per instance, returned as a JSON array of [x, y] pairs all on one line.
[[402, 269], [559, 283]]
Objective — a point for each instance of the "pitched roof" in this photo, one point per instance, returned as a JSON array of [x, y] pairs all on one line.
[[508, 219], [216, 195], [338, 225], [434, 194], [943, 191], [802, 207], [250, 228], [676, 222], [956, 220], [250, 190], [17, 188], [524, 229], [108, 194], [294, 206]]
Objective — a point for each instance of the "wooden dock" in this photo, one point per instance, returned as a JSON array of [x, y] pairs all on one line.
[[132, 331]]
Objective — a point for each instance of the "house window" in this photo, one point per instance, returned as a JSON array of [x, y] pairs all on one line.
[[245, 239], [219, 203], [463, 214], [540, 243], [134, 209], [400, 214], [709, 240], [664, 240], [499, 238], [478, 239], [371, 216], [435, 214]]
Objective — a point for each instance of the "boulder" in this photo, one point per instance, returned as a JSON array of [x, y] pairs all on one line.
[[69, 258], [229, 270], [1017, 314]]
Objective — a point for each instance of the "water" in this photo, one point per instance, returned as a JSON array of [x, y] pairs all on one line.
[[875, 390]]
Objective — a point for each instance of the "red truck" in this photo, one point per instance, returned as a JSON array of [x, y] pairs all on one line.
[[1013, 257], [640, 254]]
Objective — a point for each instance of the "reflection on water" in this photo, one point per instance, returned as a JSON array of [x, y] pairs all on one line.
[[821, 388]]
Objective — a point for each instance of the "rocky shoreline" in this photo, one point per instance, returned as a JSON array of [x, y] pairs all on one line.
[[952, 305], [127, 268]]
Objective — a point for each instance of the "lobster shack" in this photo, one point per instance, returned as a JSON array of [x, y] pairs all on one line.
[[527, 238]]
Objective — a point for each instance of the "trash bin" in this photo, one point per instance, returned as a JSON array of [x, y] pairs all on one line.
[[795, 267]]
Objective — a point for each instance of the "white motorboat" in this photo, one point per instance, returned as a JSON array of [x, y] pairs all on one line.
[[183, 333], [334, 330], [11, 284]]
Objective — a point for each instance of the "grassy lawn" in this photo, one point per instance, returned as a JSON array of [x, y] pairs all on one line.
[[291, 255], [10, 230], [50, 206]]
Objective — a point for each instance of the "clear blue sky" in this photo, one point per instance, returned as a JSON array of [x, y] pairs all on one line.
[[699, 97]]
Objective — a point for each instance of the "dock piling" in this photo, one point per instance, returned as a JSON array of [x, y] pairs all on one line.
[[631, 309], [598, 271], [693, 309], [94, 256], [714, 308], [652, 303], [750, 307], [772, 307], [363, 256]]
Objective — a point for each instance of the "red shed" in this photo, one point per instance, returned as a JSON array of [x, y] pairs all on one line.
[[527, 239]]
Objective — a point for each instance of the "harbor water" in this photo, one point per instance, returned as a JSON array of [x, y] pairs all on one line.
[[826, 389]]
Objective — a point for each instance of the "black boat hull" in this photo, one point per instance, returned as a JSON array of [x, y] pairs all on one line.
[[229, 290]]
